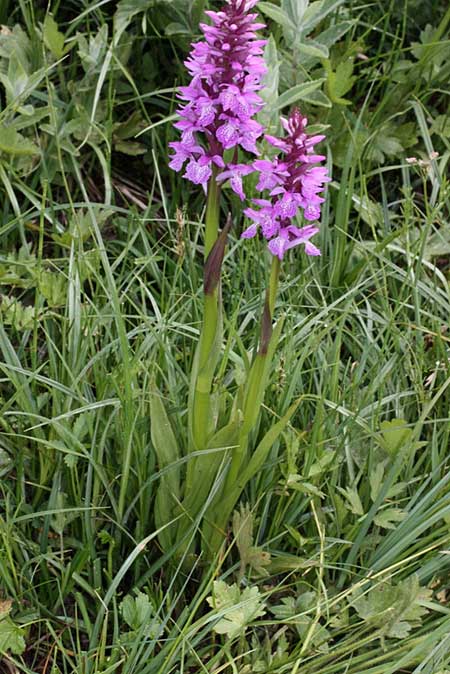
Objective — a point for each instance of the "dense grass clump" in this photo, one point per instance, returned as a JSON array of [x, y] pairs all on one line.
[[337, 556]]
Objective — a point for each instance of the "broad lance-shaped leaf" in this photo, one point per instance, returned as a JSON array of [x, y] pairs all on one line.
[[257, 379], [316, 12], [253, 397], [168, 455], [299, 92], [295, 9], [268, 115], [206, 467], [207, 356], [313, 48], [261, 453], [218, 515], [277, 14], [254, 394]]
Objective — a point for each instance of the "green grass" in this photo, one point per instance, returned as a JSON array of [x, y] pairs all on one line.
[[100, 282]]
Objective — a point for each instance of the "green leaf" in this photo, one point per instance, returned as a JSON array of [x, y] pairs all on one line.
[[136, 611], [16, 80], [250, 554], [300, 611], [92, 52], [268, 114], [125, 13], [313, 48], [376, 480], [168, 454], [139, 614], [34, 116], [11, 635], [163, 438], [339, 82], [176, 28], [441, 126], [299, 93], [319, 98], [385, 143], [130, 127], [330, 35], [62, 518], [323, 464], [388, 145], [257, 381], [129, 147], [276, 14], [237, 609], [392, 609], [12, 142], [205, 467], [15, 43], [53, 38], [295, 9], [6, 465], [395, 435], [16, 314], [407, 134], [298, 483], [53, 286], [261, 452], [316, 12], [353, 499], [388, 518]]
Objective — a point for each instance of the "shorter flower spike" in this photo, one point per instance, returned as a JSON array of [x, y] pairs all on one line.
[[294, 184]]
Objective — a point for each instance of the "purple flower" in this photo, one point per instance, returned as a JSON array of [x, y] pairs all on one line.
[[291, 236], [221, 100], [234, 173], [293, 184], [198, 174], [271, 173], [264, 218]]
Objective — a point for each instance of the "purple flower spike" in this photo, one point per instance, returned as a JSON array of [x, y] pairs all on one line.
[[221, 99], [293, 185]]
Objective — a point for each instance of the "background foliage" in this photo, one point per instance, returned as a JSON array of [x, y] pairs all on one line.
[[339, 562]]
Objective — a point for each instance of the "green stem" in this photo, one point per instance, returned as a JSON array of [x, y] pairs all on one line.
[[211, 327], [203, 385], [212, 213], [257, 379], [273, 284]]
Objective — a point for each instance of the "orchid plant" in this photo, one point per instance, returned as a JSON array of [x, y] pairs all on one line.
[[221, 140]]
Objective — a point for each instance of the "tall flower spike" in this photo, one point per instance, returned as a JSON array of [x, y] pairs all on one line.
[[221, 100], [293, 184]]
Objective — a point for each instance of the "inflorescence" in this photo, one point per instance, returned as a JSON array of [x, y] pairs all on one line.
[[218, 118]]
